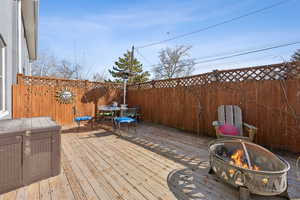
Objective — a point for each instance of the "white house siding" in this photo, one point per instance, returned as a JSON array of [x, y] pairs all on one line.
[[25, 56], [9, 33]]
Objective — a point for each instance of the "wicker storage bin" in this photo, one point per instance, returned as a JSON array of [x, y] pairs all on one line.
[[41, 149], [10, 155], [29, 151]]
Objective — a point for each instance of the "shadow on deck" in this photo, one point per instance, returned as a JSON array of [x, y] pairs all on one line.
[[156, 162], [194, 182]]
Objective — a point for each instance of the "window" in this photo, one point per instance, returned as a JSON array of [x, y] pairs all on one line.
[[2, 78]]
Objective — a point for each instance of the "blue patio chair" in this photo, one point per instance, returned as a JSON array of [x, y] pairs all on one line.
[[125, 120], [79, 119], [134, 113]]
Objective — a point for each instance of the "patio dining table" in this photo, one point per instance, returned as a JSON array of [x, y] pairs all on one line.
[[111, 109]]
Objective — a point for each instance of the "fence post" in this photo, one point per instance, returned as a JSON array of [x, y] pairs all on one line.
[[153, 84], [20, 79], [86, 82], [215, 74], [177, 82]]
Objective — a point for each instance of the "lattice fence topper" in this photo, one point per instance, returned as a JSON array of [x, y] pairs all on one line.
[[282, 71], [54, 82]]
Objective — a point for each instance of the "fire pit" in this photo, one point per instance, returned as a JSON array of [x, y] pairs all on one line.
[[249, 167]]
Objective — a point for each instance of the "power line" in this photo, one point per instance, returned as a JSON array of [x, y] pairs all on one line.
[[248, 52], [241, 53], [240, 61], [238, 50], [215, 25], [146, 59]]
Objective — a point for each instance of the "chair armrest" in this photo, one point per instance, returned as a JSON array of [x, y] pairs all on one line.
[[249, 126], [252, 130], [216, 123]]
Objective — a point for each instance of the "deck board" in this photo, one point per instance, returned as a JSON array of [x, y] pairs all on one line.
[[156, 163], [137, 176], [126, 182]]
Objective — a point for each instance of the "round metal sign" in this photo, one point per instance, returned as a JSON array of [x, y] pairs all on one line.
[[65, 96]]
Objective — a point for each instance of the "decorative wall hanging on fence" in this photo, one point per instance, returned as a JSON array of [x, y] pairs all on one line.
[[65, 96]]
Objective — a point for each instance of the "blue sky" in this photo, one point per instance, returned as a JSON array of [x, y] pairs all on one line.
[[96, 32]]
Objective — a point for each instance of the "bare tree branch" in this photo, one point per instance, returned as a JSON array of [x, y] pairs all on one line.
[[99, 76], [48, 65], [174, 63], [45, 65]]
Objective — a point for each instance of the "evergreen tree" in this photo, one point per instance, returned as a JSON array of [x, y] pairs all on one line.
[[124, 64], [296, 56]]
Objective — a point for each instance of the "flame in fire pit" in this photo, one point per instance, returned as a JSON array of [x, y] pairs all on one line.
[[256, 168], [237, 158], [238, 161]]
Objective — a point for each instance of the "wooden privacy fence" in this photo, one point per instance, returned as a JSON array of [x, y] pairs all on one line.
[[269, 97], [36, 96]]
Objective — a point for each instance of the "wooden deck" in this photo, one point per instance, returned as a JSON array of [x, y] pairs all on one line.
[[154, 163]]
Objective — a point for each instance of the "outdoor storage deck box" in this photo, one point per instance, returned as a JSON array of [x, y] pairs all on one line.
[[29, 151], [11, 135]]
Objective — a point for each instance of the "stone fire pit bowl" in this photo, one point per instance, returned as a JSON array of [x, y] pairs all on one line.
[[249, 167]]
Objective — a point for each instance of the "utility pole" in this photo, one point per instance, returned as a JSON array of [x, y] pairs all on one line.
[[132, 56]]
